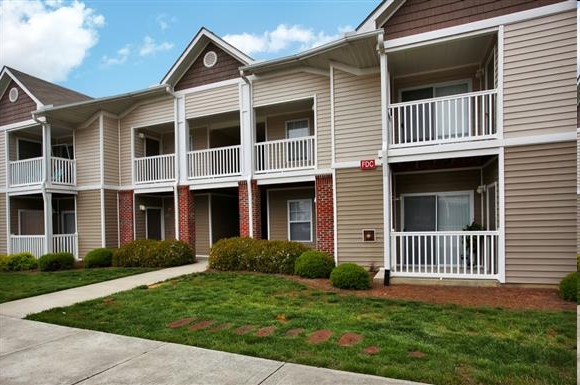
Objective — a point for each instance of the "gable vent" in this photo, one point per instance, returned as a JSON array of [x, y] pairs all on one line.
[[210, 59], [13, 94]]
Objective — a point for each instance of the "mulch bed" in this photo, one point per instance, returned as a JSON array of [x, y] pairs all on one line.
[[495, 297]]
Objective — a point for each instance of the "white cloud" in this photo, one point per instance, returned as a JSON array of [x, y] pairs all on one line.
[[120, 58], [164, 21], [284, 37], [47, 39], [150, 47]]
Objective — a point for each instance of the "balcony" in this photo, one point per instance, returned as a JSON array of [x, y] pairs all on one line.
[[214, 162], [445, 254], [31, 171], [457, 118], [286, 154], [154, 169], [36, 244]]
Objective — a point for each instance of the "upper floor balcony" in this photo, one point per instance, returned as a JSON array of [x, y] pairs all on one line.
[[154, 154], [27, 163]]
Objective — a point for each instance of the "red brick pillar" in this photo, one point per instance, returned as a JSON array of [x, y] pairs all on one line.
[[244, 207], [324, 213], [186, 215], [126, 217]]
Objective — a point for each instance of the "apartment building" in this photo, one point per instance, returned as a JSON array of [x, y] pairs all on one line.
[[380, 147]]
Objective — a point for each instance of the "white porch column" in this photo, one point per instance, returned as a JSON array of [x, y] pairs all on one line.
[[47, 197], [181, 140], [46, 153], [247, 136]]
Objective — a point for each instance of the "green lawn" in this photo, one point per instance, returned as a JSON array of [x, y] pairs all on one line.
[[18, 285], [417, 341]]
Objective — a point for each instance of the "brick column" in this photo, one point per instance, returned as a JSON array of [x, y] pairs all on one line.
[[186, 215], [244, 207], [126, 217], [324, 213]]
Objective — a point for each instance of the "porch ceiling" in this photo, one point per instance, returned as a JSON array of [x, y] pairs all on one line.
[[282, 108], [441, 164], [217, 121], [433, 57]]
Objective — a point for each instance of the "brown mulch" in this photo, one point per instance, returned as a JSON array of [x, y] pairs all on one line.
[[501, 297], [320, 336], [350, 339]]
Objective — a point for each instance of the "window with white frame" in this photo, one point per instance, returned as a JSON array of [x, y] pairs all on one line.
[[297, 128], [297, 150], [300, 220]]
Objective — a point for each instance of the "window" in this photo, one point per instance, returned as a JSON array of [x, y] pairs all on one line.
[[450, 211], [297, 151], [28, 149], [300, 220], [297, 128]]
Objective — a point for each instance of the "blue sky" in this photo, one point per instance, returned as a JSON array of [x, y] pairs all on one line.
[[106, 47]]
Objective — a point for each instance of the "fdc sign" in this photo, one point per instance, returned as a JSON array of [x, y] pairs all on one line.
[[368, 164]]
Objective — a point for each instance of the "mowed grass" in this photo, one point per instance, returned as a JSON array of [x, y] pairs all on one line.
[[448, 344], [17, 285]]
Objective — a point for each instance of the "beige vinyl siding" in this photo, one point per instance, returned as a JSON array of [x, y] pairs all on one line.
[[436, 182], [200, 138], [578, 224], [160, 111], [357, 116], [201, 206], [168, 217], [3, 164], [540, 76], [278, 212], [540, 212], [359, 205], [111, 219], [276, 125], [212, 101], [3, 230], [300, 86], [87, 154], [89, 220], [111, 151]]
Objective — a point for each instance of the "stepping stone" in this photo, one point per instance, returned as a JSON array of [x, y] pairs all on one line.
[[371, 350], [416, 354], [244, 329], [220, 327], [179, 323], [294, 332], [350, 339], [265, 332], [201, 325], [319, 336]]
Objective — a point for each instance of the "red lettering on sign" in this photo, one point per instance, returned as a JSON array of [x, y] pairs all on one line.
[[368, 164]]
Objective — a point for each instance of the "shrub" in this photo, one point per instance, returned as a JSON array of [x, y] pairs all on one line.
[[18, 262], [56, 261], [578, 262], [350, 276], [567, 290], [314, 264], [152, 253], [101, 257], [233, 254]]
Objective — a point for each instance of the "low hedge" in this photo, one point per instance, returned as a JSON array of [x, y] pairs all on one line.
[[18, 262], [152, 253], [235, 254], [568, 287], [101, 257], [350, 276], [56, 261], [314, 264]]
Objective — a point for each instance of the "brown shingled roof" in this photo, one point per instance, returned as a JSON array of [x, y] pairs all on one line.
[[48, 93]]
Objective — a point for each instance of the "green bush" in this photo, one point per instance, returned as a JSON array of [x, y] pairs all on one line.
[[578, 262], [350, 276], [234, 254], [18, 262], [101, 257], [314, 264], [567, 290], [152, 253], [56, 261]]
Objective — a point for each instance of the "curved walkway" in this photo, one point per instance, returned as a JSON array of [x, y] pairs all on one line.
[[37, 353]]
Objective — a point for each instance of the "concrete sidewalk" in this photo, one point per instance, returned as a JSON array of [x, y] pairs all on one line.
[[37, 353]]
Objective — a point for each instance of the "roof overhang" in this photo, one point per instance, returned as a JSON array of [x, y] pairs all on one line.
[[6, 76], [353, 50], [79, 113], [194, 49], [379, 16]]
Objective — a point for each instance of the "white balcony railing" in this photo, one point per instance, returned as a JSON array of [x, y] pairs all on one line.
[[213, 162], [65, 243], [445, 254], [28, 243], [26, 172], [456, 118], [63, 171], [150, 169], [286, 154]]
